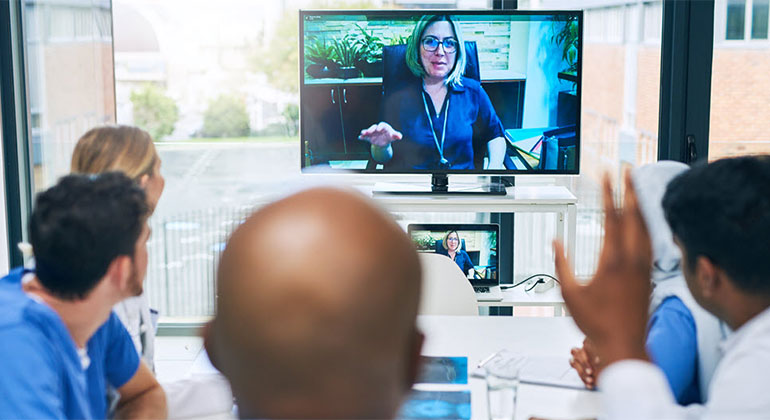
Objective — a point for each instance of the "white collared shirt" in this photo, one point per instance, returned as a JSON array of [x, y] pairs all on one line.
[[740, 387]]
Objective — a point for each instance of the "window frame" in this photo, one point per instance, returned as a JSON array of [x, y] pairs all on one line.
[[687, 50]]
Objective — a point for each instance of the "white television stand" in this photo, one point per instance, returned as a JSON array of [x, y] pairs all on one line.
[[520, 199]]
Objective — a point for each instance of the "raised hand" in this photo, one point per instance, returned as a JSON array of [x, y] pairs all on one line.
[[612, 308], [380, 135]]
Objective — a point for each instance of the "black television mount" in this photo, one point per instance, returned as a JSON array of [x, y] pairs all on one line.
[[439, 185]]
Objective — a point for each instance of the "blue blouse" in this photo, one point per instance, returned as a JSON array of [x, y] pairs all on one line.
[[462, 259], [673, 346], [472, 123]]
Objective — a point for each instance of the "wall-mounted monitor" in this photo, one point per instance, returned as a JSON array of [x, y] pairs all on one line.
[[442, 92]]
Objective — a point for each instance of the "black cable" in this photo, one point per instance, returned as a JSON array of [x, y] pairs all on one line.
[[528, 279]]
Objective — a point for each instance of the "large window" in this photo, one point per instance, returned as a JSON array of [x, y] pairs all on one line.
[[68, 56], [742, 19], [221, 102], [621, 83], [740, 83]]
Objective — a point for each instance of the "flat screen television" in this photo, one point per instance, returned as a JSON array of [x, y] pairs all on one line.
[[441, 92]]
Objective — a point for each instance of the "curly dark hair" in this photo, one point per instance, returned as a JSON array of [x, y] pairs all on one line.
[[80, 225], [722, 211]]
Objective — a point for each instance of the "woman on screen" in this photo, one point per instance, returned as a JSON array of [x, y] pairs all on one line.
[[431, 123], [451, 246]]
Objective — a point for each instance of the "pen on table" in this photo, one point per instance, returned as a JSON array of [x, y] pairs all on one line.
[[486, 360]]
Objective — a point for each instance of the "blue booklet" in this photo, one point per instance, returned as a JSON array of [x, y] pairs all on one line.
[[443, 370], [432, 405]]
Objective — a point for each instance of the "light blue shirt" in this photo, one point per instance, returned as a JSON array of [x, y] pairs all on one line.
[[673, 345], [41, 375], [114, 361]]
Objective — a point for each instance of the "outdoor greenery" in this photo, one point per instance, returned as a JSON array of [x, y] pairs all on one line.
[[226, 116], [154, 111], [291, 114], [261, 139], [279, 58]]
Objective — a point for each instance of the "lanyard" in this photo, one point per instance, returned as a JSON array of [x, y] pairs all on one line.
[[439, 146]]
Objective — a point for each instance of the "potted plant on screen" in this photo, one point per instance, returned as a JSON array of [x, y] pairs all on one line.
[[348, 53], [323, 59], [371, 53], [565, 36]]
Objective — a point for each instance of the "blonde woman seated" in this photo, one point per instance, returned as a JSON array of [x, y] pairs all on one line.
[[131, 150], [451, 246]]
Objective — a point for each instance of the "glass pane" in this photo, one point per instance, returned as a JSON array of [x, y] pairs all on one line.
[[221, 102], [621, 81], [740, 92], [68, 52], [736, 15], [759, 15]]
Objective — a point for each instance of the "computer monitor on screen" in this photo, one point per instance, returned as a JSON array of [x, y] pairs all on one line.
[[441, 92]]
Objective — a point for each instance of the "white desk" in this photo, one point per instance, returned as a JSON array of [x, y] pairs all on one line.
[[530, 199], [478, 337]]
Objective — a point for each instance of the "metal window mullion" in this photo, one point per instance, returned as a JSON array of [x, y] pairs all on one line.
[[14, 119]]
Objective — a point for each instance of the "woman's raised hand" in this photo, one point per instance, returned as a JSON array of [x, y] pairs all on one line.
[[380, 135]]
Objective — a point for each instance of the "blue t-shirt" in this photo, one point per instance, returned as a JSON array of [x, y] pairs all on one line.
[[42, 375], [113, 362], [462, 259], [472, 123], [673, 345]]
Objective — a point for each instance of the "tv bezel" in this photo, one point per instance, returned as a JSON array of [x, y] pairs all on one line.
[[413, 12]]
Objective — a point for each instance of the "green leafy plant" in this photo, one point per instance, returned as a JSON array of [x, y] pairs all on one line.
[[319, 52], [423, 241], [565, 34], [347, 51], [370, 45], [399, 39]]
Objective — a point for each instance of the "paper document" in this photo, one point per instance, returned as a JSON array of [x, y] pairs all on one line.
[[540, 370]]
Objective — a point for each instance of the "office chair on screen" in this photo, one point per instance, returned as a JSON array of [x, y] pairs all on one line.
[[445, 289]]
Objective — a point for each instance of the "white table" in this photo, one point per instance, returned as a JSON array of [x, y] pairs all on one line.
[[478, 337]]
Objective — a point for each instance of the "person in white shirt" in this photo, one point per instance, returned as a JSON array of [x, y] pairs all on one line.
[[720, 217]]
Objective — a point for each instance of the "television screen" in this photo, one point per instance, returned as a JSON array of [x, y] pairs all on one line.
[[405, 91]]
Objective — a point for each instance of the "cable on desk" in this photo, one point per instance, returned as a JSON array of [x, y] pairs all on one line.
[[530, 278]]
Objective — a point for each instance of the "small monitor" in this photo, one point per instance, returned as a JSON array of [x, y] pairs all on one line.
[[472, 246], [441, 92]]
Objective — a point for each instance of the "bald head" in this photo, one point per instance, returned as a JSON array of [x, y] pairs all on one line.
[[316, 307]]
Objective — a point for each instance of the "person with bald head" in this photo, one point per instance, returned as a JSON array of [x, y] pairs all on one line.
[[316, 310]]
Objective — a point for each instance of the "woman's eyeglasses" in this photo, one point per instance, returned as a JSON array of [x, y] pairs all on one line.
[[431, 43]]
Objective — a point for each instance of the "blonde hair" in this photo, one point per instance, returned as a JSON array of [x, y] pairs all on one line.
[[115, 148], [413, 61], [459, 240]]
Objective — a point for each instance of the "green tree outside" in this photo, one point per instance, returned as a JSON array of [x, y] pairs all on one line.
[[279, 60], [154, 111], [226, 116]]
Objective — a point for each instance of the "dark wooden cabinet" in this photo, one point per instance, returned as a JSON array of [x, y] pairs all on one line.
[[333, 116], [361, 107], [321, 123]]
